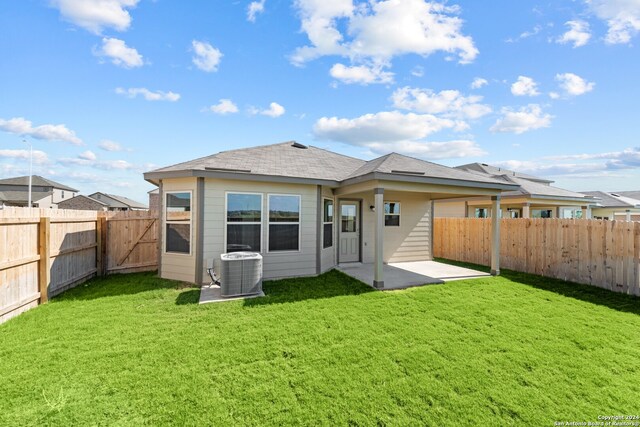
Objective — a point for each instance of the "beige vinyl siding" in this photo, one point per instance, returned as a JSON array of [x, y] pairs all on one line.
[[444, 209], [180, 266], [328, 258], [408, 242], [275, 265]]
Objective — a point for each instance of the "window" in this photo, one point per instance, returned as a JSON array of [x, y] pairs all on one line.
[[327, 221], [541, 213], [178, 223], [348, 217], [284, 223], [62, 194], [244, 222], [482, 213], [391, 214]]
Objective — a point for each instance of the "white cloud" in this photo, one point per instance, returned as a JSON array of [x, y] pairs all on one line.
[[377, 31], [449, 103], [274, 110], [622, 17], [84, 160], [525, 86], [578, 165], [108, 145], [119, 53], [573, 84], [478, 82], [523, 120], [255, 8], [382, 127], [554, 95], [526, 34], [224, 106], [206, 58], [159, 95], [430, 150], [21, 126], [39, 157], [361, 74], [95, 15], [578, 33], [417, 71], [88, 155]]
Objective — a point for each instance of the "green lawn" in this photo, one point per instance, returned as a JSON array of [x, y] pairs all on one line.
[[136, 350]]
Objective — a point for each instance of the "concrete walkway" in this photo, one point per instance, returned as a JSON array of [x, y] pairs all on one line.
[[402, 275]]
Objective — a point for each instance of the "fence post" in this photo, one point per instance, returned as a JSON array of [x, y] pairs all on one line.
[[44, 273], [99, 247]]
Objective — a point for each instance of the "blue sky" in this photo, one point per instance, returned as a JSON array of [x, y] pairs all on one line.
[[107, 89]]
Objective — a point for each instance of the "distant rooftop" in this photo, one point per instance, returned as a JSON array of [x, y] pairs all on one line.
[[36, 180], [113, 200], [614, 200]]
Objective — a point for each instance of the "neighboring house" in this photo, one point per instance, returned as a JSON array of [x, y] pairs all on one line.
[[154, 200], [535, 198], [615, 206], [305, 209], [45, 193], [118, 203], [83, 203]]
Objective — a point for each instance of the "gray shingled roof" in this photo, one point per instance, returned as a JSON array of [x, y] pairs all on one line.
[[613, 200], [120, 201], [22, 196], [80, 196], [278, 159], [529, 187], [631, 194], [495, 171], [404, 165], [287, 160], [36, 180]]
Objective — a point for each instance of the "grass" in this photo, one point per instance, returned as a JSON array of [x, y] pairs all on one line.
[[138, 350]]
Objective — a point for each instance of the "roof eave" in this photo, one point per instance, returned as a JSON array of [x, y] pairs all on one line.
[[429, 180], [568, 198], [154, 177]]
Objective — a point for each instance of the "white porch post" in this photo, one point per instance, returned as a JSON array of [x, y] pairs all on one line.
[[378, 278], [495, 237], [628, 215], [586, 212], [526, 210]]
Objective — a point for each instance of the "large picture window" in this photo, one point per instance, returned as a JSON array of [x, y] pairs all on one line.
[[178, 222], [284, 223], [244, 222], [391, 214], [327, 224]]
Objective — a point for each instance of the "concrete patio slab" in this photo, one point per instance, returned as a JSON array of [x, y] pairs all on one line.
[[403, 275], [211, 293]]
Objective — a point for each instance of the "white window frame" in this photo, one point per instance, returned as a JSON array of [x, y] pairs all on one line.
[[298, 223], [332, 222], [226, 202], [165, 222], [386, 214]]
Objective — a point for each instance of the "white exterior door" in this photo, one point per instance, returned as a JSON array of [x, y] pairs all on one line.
[[349, 232]]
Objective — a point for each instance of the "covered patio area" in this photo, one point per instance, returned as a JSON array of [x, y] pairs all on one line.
[[401, 275]]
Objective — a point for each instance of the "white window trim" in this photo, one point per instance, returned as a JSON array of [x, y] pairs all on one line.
[[165, 222], [333, 227], [226, 202], [392, 214], [298, 223]]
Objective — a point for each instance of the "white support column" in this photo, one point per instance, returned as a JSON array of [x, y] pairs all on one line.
[[586, 212], [627, 215], [378, 278], [495, 237], [526, 210]]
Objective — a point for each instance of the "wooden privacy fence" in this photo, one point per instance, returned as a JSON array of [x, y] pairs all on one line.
[[44, 252], [593, 252]]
